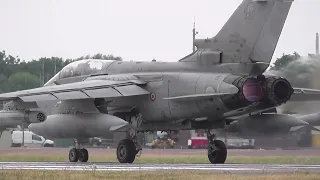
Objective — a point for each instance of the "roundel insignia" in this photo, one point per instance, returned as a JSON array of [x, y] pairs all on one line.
[[153, 96]]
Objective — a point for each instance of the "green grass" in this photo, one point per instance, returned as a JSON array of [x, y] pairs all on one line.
[[87, 175], [148, 158], [275, 160]]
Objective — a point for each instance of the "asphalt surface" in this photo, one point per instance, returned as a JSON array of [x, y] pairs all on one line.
[[223, 168], [162, 152]]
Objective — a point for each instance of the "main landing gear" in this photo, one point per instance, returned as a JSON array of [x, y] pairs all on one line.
[[217, 150], [76, 154], [128, 148], [126, 151]]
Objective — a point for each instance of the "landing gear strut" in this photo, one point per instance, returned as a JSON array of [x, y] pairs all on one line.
[[76, 154], [128, 148], [217, 150]]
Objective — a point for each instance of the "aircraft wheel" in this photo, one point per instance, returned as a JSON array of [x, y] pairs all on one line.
[[74, 155], [126, 151], [219, 155], [83, 155]]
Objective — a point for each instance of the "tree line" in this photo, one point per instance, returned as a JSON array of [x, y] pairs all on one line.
[[17, 74]]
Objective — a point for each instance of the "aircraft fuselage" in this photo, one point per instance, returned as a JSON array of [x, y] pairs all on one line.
[[164, 80]]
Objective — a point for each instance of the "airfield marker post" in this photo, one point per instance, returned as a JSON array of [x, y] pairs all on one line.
[[22, 145]]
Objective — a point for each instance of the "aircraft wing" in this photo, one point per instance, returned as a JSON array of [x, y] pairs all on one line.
[[79, 90]]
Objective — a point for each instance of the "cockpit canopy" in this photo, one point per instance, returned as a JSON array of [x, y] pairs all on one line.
[[84, 67], [81, 68]]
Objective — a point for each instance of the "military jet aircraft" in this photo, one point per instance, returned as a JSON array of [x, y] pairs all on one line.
[[222, 79]]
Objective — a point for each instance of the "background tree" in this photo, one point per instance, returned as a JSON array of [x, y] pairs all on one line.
[[300, 71], [16, 74], [284, 61], [21, 81]]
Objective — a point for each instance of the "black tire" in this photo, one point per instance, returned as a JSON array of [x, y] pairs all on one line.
[[218, 156], [74, 155], [83, 155], [126, 151], [48, 145], [16, 145]]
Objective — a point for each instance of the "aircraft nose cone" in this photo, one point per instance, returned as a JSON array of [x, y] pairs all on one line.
[[36, 128]]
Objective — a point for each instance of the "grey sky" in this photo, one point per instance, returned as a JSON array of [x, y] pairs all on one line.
[[137, 30]]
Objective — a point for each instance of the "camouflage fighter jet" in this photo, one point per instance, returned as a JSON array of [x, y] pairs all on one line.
[[222, 79]]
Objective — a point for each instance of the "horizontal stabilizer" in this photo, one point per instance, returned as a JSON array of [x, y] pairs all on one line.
[[315, 129], [303, 94], [313, 119], [296, 128], [194, 97]]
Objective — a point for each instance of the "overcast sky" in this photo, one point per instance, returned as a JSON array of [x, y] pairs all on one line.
[[137, 30]]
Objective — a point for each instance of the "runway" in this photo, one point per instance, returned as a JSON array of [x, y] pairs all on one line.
[[164, 152], [159, 153], [221, 168]]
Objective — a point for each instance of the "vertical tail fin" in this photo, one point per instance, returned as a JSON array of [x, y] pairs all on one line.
[[251, 33]]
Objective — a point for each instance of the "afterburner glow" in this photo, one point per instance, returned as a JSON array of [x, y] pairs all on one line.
[[252, 90]]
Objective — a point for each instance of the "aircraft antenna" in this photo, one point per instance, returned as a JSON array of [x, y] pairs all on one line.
[[42, 83], [55, 66], [194, 33], [317, 44]]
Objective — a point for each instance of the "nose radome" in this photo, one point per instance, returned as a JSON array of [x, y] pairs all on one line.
[[116, 123], [36, 128]]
